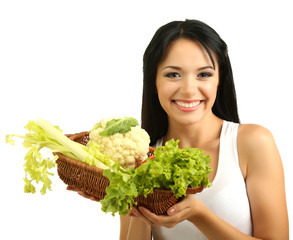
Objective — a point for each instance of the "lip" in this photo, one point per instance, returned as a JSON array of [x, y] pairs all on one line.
[[186, 100], [187, 109]]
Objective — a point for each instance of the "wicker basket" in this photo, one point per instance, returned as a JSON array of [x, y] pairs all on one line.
[[90, 180]]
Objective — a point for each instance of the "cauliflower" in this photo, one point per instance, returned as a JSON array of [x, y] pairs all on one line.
[[129, 149]]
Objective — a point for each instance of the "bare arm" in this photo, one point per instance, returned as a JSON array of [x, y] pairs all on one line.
[[264, 182], [124, 226], [132, 228]]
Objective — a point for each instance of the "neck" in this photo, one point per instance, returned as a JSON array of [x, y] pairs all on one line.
[[197, 134]]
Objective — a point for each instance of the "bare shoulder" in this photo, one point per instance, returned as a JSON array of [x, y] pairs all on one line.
[[253, 135], [256, 146], [254, 138]]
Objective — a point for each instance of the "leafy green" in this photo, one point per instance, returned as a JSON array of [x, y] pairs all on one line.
[[118, 126], [41, 134], [121, 191], [181, 167], [172, 168]]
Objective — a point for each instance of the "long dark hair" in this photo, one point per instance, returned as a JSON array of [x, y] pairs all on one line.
[[154, 118]]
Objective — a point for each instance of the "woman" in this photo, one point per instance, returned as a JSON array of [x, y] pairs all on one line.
[[189, 95]]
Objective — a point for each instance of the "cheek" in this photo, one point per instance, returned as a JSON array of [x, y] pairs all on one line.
[[165, 90], [209, 89], [165, 93]]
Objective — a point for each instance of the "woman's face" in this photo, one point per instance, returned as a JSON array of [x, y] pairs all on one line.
[[187, 82]]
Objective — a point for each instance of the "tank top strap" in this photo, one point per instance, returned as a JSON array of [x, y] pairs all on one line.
[[228, 156], [228, 149]]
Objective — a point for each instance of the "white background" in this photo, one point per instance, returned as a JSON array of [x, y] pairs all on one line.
[[75, 62]]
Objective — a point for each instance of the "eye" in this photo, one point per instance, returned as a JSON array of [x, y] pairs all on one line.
[[205, 75], [173, 75]]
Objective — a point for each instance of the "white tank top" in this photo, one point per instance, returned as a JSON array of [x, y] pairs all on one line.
[[227, 197]]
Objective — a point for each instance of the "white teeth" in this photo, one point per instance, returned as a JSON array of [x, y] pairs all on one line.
[[187, 105]]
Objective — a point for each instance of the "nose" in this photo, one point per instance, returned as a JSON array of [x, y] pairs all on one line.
[[188, 86]]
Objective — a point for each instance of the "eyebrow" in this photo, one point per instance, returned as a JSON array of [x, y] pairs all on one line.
[[199, 69]]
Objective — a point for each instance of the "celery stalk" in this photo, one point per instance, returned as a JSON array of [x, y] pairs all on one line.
[[44, 135], [74, 147]]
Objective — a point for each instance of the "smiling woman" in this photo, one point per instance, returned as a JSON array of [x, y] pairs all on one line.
[[189, 95]]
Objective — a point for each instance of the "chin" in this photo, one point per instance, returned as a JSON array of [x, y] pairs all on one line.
[[187, 121]]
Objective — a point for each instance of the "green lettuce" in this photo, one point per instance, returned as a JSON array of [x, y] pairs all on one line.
[[172, 168]]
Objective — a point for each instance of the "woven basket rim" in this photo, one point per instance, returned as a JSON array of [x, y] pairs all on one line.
[[75, 136], [95, 169], [79, 163]]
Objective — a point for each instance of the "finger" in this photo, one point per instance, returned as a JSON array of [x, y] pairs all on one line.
[[140, 215], [94, 198], [150, 217], [131, 214], [179, 206], [84, 194], [162, 220], [147, 213], [70, 188], [136, 212]]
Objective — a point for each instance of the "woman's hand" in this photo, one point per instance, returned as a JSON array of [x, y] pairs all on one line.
[[183, 210], [85, 195]]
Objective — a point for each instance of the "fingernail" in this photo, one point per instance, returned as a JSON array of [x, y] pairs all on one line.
[[171, 211]]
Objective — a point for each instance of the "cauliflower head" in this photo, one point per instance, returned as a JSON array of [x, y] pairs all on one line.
[[129, 149]]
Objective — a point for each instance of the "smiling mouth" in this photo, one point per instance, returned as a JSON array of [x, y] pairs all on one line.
[[187, 104]]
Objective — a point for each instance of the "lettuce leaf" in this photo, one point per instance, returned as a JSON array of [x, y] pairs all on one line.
[[172, 168], [121, 191]]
